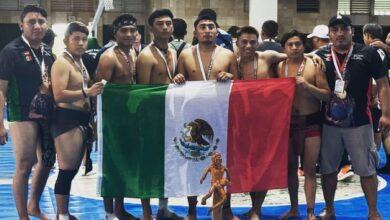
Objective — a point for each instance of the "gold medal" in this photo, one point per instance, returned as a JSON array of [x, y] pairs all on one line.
[[341, 95]]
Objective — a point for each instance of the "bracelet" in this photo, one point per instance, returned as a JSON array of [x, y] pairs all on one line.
[[84, 94]]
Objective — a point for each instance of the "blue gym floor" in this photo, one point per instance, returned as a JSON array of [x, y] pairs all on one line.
[[91, 207]]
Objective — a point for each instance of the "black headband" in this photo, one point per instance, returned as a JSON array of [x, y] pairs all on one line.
[[122, 23]]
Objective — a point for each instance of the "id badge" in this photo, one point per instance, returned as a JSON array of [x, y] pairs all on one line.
[[339, 86]]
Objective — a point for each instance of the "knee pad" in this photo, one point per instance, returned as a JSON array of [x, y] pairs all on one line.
[[64, 181]]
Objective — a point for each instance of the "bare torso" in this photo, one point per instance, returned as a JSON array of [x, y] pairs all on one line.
[[304, 102], [75, 82], [122, 72], [159, 73], [263, 69], [190, 67]]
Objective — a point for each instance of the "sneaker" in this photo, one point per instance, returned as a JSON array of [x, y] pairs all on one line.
[[345, 173]]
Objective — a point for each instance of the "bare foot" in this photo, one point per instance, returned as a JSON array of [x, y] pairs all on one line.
[[327, 214], [123, 215], [289, 215], [254, 216], [147, 217], [191, 216], [310, 216], [374, 216], [36, 212], [228, 214], [167, 214]]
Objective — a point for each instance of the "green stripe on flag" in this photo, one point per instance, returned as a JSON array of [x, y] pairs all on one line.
[[133, 162]]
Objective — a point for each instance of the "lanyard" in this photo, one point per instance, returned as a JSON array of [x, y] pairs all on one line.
[[255, 65], [201, 64], [300, 70], [82, 69], [131, 68], [41, 64], [170, 75], [340, 69]]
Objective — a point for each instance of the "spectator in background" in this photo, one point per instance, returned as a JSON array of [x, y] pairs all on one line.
[[138, 45], [319, 37], [233, 32], [269, 31], [179, 32]]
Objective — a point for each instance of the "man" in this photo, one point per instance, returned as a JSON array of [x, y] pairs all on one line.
[[117, 65], [138, 45], [70, 128], [253, 64], [269, 31], [373, 33], [388, 39], [206, 61], [349, 69], [223, 38], [179, 32], [305, 125], [319, 36], [24, 65], [156, 64]]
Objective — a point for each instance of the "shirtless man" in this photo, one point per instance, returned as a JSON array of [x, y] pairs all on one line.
[[253, 65], [305, 131], [72, 115], [206, 61], [156, 64], [117, 65]]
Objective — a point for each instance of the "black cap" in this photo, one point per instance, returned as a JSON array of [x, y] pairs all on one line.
[[339, 19]]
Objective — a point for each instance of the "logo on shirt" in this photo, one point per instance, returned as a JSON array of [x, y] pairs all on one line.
[[357, 57], [27, 56]]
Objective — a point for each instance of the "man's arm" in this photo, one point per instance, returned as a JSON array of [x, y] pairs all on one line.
[[144, 67], [321, 89], [384, 96], [3, 93], [232, 71], [59, 78], [105, 68], [272, 57], [181, 74]]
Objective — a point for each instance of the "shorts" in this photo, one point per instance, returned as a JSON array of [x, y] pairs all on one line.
[[376, 114], [302, 127], [65, 120], [359, 143]]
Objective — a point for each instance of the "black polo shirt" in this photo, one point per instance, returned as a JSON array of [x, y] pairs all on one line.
[[364, 64], [19, 68]]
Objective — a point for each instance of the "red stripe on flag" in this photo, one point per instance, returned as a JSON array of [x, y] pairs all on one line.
[[258, 132]]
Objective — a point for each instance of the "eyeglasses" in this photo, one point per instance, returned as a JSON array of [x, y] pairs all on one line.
[[296, 44]]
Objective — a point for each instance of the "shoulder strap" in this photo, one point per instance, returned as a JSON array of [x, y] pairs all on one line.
[[183, 44]]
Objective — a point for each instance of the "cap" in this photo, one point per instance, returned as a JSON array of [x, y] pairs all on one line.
[[339, 19], [320, 31]]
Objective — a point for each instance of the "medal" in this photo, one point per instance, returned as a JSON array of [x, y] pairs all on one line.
[[341, 95]]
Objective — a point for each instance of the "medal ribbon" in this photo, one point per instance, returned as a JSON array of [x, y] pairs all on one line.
[[300, 69], [201, 64], [340, 69], [82, 69], [41, 64], [170, 75], [131, 69]]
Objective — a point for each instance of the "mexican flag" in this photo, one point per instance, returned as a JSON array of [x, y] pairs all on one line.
[[156, 140]]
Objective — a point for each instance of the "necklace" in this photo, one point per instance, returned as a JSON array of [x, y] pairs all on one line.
[[131, 68], [255, 66], [205, 77], [300, 69]]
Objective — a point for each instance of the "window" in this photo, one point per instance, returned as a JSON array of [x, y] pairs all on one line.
[[360, 6], [344, 7], [382, 7], [129, 6], [72, 5], [308, 6], [12, 5]]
